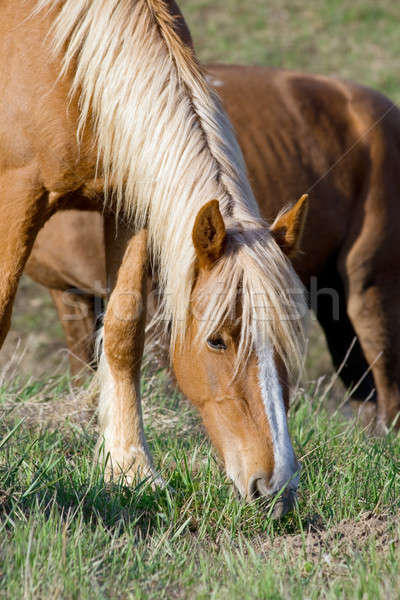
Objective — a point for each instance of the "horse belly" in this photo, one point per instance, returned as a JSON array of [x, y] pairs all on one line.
[[69, 253]]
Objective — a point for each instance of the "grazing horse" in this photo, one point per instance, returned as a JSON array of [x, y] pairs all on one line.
[[341, 143], [105, 106]]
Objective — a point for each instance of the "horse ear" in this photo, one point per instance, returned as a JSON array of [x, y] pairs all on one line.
[[288, 227], [209, 234]]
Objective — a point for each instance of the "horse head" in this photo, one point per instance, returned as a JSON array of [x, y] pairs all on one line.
[[239, 380]]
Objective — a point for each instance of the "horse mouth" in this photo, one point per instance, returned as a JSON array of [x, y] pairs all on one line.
[[284, 504], [279, 503]]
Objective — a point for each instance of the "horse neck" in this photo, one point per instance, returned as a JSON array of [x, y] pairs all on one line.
[[164, 140]]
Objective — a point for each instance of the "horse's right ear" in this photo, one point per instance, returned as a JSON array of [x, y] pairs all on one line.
[[209, 234]]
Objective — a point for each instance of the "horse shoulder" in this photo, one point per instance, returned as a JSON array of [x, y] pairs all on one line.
[[38, 122]]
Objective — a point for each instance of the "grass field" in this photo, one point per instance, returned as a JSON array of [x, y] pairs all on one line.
[[65, 534]]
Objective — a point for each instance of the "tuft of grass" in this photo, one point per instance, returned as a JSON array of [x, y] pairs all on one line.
[[66, 533]]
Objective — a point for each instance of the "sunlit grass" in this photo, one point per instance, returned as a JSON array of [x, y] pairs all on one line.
[[68, 534]]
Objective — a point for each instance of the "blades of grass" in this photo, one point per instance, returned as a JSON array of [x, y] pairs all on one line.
[[9, 435]]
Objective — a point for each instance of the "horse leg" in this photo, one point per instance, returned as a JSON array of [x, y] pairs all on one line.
[[373, 308], [23, 211], [120, 414], [78, 318], [344, 347], [377, 327]]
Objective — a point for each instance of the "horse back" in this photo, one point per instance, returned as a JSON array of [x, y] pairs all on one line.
[[305, 133]]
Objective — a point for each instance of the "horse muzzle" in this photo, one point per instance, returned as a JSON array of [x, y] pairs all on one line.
[[258, 489]]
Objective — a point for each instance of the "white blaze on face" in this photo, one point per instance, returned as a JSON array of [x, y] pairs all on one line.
[[285, 463]]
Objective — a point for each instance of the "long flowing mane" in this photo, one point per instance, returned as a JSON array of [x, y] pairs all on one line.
[[167, 147]]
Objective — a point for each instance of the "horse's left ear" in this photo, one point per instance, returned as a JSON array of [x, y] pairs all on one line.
[[287, 229], [209, 234]]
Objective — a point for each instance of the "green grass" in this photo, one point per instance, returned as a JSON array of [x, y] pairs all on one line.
[[357, 40], [67, 534]]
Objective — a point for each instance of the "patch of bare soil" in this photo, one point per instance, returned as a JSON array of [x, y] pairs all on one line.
[[332, 545]]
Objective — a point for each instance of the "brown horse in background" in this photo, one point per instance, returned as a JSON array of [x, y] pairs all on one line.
[[104, 106], [299, 133]]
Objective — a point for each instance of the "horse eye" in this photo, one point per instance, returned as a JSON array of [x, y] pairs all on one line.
[[216, 343]]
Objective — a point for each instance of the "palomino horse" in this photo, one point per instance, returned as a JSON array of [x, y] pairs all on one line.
[[340, 142], [104, 104]]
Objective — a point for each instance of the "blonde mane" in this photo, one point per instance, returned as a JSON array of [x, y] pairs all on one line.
[[167, 147]]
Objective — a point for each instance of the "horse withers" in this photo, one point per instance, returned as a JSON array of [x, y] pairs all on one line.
[[104, 106]]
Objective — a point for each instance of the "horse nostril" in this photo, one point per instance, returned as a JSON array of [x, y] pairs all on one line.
[[258, 486]]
